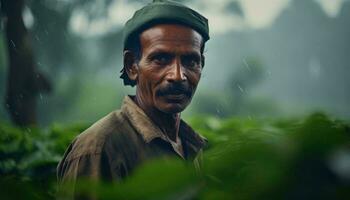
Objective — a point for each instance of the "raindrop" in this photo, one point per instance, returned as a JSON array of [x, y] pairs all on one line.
[[13, 44], [314, 68], [250, 117], [240, 88], [41, 96], [246, 64], [269, 73], [7, 105], [217, 111], [37, 38], [29, 130]]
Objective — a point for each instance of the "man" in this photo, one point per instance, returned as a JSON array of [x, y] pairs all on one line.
[[163, 57]]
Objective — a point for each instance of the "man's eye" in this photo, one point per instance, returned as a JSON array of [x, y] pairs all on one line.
[[161, 59], [190, 62]]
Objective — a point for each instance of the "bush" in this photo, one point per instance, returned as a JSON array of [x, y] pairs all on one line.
[[28, 159], [245, 159]]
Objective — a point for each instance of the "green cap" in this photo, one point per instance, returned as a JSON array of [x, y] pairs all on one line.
[[163, 11]]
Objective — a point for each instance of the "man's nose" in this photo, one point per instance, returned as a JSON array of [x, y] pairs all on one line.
[[176, 73]]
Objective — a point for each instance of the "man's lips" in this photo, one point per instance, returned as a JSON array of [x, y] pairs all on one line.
[[179, 96]]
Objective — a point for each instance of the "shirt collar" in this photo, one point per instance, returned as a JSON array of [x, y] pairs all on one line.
[[149, 131]]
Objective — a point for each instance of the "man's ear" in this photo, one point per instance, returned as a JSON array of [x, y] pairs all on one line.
[[130, 65]]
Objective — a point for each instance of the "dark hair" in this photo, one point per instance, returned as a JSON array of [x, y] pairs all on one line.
[[133, 44]]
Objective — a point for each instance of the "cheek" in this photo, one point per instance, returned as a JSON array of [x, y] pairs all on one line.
[[148, 81], [143, 82], [193, 78]]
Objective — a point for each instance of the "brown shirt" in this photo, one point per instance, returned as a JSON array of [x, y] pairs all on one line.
[[112, 147]]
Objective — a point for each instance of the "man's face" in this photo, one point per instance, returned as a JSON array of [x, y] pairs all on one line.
[[170, 67]]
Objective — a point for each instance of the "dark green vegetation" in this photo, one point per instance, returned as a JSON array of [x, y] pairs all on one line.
[[245, 159]]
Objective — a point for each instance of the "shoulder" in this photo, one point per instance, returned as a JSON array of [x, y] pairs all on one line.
[[113, 128], [100, 149]]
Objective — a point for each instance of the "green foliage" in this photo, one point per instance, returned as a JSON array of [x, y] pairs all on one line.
[[28, 159], [260, 160], [245, 159], [170, 179]]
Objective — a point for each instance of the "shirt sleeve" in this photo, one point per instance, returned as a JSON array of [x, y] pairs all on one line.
[[92, 167], [86, 166]]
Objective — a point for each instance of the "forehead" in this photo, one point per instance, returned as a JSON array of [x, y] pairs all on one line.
[[170, 34]]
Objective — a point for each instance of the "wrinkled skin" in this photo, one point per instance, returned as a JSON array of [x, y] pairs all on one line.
[[168, 72]]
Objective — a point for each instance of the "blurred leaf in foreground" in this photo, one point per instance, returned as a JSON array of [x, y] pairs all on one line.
[[245, 159]]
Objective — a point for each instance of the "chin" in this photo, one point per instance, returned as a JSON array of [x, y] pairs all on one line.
[[173, 108]]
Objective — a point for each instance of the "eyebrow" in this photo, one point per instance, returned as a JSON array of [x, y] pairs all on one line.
[[157, 52], [161, 50], [192, 54]]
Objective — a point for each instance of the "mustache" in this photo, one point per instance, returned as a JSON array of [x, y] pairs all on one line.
[[175, 88]]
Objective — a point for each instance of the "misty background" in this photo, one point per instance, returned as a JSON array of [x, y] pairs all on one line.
[[264, 59]]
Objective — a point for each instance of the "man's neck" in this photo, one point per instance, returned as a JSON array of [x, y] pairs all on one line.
[[168, 123]]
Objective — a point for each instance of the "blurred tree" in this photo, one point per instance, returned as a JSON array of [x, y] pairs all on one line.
[[24, 82], [70, 58]]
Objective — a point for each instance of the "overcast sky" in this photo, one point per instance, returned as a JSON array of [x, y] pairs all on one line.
[[257, 14]]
